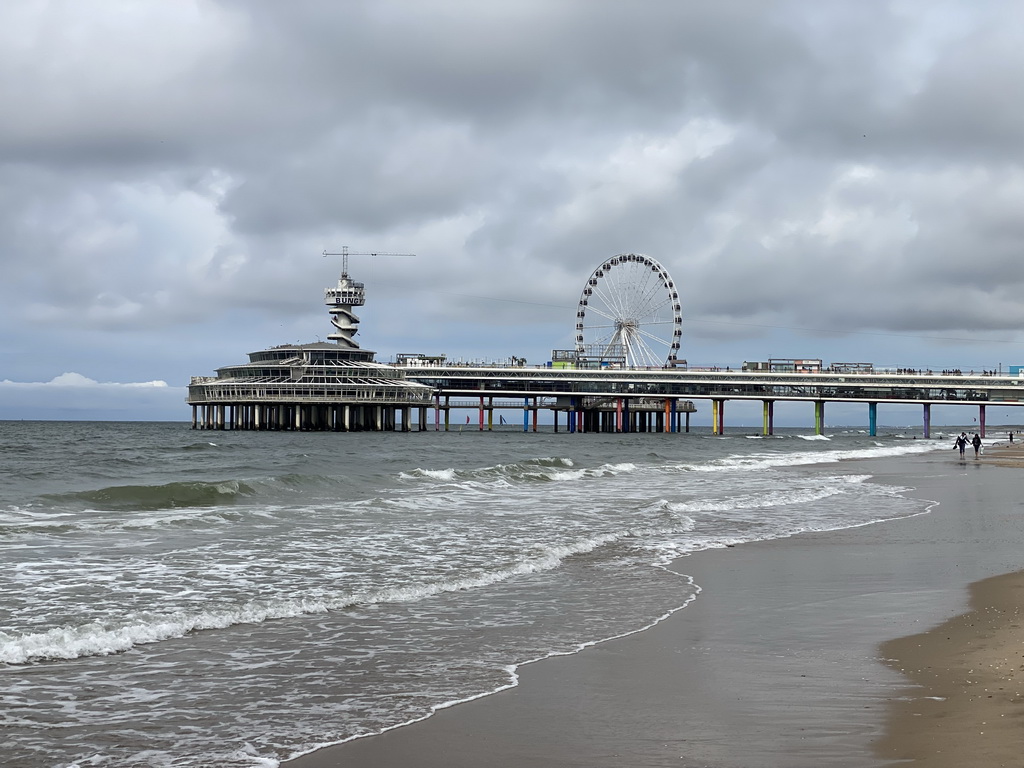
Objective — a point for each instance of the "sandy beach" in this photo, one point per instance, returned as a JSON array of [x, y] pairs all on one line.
[[862, 647]]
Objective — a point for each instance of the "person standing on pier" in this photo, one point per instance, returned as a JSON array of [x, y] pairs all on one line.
[[976, 442], [961, 443]]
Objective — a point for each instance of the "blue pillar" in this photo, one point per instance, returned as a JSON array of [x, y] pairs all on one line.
[[571, 413], [927, 420], [873, 419], [675, 417], [526, 414]]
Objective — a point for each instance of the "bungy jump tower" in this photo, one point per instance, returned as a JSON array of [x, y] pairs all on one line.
[[323, 386]]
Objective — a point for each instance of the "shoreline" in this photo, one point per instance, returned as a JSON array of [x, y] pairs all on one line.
[[777, 663]]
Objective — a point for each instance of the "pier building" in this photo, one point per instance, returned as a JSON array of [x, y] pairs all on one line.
[[607, 383], [333, 385]]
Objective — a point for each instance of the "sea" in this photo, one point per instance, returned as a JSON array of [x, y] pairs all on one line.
[[172, 597]]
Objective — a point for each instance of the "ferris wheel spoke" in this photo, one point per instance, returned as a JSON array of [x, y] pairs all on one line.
[[652, 301], [609, 299], [652, 336], [648, 353], [605, 315]]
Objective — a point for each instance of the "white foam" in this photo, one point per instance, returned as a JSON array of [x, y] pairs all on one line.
[[105, 638]]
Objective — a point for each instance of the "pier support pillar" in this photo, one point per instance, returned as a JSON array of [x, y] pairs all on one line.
[[819, 417], [717, 417], [570, 417], [675, 415], [927, 420], [981, 420], [769, 417], [667, 425], [481, 413], [526, 414], [490, 414], [536, 410], [447, 412], [873, 419]]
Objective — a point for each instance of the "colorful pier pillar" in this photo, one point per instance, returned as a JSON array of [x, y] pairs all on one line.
[[526, 414], [481, 413], [717, 417], [769, 417], [819, 417], [981, 420], [927, 420], [570, 416], [618, 414], [675, 415], [873, 419]]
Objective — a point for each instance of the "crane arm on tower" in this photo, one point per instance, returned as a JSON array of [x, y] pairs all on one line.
[[345, 253]]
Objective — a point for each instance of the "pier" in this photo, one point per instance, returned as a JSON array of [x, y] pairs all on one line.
[[611, 381]]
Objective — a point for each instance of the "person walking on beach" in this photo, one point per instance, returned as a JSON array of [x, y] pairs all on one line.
[[976, 442], [961, 443]]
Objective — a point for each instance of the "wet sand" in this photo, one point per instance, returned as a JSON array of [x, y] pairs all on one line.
[[967, 704], [779, 662]]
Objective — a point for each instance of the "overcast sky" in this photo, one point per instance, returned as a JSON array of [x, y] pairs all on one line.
[[835, 180]]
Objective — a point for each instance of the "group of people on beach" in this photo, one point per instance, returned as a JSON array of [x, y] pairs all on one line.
[[962, 441]]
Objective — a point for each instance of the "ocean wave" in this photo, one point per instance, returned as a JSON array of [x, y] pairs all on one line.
[[827, 487], [103, 638], [756, 461], [544, 470], [153, 497]]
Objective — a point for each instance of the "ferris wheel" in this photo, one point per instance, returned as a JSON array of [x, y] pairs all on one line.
[[629, 314]]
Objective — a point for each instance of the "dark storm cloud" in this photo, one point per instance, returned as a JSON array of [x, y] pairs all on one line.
[[172, 170]]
